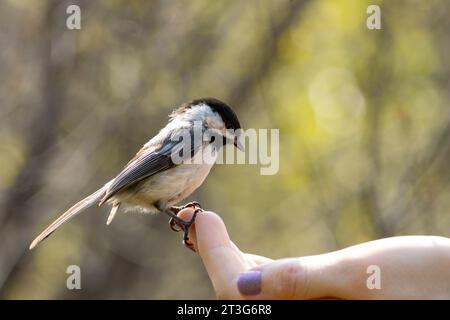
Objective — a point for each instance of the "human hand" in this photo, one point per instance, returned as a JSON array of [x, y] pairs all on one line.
[[411, 267]]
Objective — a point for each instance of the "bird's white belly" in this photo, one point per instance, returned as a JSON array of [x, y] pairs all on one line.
[[167, 187], [178, 183]]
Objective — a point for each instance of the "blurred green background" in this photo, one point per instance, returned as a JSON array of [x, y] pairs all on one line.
[[364, 123]]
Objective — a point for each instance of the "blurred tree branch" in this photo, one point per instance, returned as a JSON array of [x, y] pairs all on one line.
[[269, 48], [40, 140]]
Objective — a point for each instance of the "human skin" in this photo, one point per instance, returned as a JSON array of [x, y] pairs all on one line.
[[411, 267]]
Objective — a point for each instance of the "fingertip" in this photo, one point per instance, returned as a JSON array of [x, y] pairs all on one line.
[[211, 231], [208, 231], [205, 218]]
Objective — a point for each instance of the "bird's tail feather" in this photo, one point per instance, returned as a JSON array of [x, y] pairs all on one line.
[[73, 211]]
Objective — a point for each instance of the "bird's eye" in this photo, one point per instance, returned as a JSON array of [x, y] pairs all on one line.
[[212, 139]]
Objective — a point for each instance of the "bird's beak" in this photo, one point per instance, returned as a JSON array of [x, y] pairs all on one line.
[[238, 144]]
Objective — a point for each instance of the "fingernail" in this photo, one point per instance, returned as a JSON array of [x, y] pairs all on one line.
[[249, 283]]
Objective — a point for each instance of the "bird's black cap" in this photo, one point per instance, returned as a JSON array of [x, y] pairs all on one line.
[[226, 113]]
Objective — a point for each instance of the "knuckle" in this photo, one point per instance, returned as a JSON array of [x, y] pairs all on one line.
[[290, 279]]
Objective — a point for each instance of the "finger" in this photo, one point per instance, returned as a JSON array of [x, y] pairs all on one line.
[[187, 213], [223, 261], [294, 278]]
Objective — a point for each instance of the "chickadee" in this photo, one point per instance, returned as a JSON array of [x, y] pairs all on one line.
[[152, 181]]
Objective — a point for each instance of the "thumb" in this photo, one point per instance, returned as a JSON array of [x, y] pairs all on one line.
[[312, 277]]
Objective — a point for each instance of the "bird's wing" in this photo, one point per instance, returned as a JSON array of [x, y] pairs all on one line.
[[147, 162]]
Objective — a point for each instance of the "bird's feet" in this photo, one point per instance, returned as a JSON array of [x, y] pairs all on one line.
[[192, 204], [178, 224], [173, 223], [186, 242]]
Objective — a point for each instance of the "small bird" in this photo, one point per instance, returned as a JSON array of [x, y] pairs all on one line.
[[155, 180]]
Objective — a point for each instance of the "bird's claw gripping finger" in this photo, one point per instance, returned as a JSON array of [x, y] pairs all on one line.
[[192, 204], [186, 242], [174, 225], [187, 224], [177, 223]]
